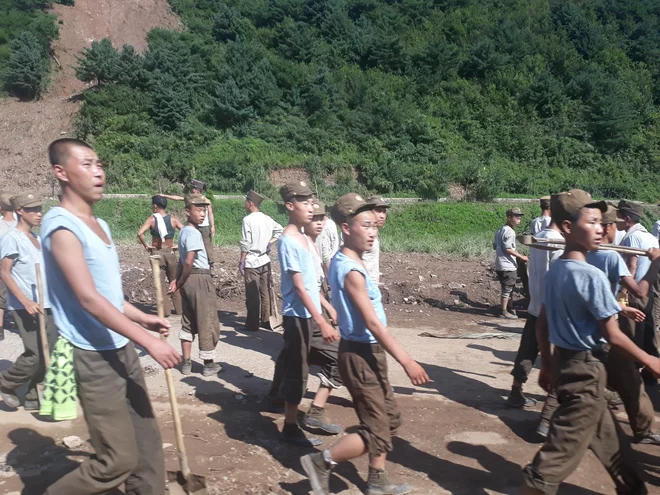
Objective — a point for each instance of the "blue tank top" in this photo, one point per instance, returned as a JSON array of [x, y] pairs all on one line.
[[351, 323], [74, 323]]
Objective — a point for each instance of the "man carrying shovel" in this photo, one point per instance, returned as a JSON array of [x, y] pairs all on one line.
[[21, 253], [259, 233]]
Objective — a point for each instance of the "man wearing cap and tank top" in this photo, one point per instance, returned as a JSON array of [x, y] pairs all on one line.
[[259, 233], [162, 227], [20, 252]]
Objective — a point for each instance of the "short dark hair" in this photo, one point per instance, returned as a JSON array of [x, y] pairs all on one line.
[[58, 150], [159, 201]]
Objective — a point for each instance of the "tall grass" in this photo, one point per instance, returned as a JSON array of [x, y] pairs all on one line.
[[458, 230]]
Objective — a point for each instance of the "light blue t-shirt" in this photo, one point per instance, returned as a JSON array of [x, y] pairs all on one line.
[[17, 246], [74, 323], [641, 239], [612, 264], [351, 323], [190, 239], [577, 296], [294, 258]]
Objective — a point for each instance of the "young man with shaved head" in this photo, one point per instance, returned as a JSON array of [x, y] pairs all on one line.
[[85, 290]]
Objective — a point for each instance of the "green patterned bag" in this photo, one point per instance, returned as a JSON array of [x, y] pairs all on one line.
[[60, 393]]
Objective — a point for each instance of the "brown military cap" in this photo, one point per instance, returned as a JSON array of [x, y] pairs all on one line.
[[26, 200], [5, 201], [196, 184], [567, 205], [295, 190], [514, 212], [255, 197], [196, 199], [319, 207], [630, 208], [349, 205], [610, 215], [377, 201]]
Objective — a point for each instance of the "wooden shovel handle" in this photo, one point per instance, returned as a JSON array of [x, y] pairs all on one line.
[[178, 429], [42, 317]]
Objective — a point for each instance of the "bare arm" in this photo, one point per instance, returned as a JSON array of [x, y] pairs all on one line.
[[610, 330], [176, 223], [183, 271], [642, 288], [328, 307], [516, 254], [211, 219], [632, 264], [68, 252], [329, 333], [30, 306], [148, 224], [173, 197], [356, 286]]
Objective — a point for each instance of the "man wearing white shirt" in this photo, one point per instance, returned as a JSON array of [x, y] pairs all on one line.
[[7, 222], [638, 237], [328, 242], [543, 222], [259, 232]]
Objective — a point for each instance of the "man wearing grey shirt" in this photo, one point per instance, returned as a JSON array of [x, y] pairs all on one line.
[[7, 222], [506, 264], [371, 258]]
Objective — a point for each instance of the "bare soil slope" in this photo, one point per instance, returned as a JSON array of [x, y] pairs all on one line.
[[26, 128]]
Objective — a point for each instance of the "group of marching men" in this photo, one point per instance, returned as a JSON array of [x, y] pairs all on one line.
[[586, 337], [590, 316], [331, 307]]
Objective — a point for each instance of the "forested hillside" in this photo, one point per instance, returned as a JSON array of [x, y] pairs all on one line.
[[508, 96]]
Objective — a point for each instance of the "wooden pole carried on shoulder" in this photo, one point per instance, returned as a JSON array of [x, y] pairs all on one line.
[[547, 245], [45, 349]]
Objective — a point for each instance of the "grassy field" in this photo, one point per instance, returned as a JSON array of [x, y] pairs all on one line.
[[460, 230]]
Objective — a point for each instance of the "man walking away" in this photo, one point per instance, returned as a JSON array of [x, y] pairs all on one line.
[[543, 222], [162, 227], [259, 233]]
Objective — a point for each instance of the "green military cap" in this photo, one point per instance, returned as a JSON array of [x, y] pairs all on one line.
[[5, 201], [377, 201], [255, 197], [26, 200], [196, 199], [567, 205], [295, 190], [319, 207], [514, 212], [349, 205], [630, 208]]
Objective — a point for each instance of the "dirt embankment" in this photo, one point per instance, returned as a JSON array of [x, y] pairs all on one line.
[[26, 128]]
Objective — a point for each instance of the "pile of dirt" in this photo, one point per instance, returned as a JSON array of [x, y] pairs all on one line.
[[27, 127]]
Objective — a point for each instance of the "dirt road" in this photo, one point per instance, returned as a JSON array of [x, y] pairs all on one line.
[[458, 437]]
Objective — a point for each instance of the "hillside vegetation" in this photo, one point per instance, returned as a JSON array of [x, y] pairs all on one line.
[[394, 96]]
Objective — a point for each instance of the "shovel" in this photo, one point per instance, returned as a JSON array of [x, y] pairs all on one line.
[[275, 318], [42, 318], [179, 482]]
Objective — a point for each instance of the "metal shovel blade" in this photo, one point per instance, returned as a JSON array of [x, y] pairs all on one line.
[[275, 323], [178, 485]]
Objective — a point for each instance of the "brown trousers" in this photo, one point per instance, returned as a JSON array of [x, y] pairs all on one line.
[[582, 421], [257, 296], [207, 238], [168, 266], [29, 367], [363, 369], [200, 313], [123, 429], [643, 334]]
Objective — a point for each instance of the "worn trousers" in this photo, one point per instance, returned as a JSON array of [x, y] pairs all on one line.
[[528, 351], [29, 367], [123, 429], [200, 313], [257, 296], [168, 266], [643, 334], [582, 421]]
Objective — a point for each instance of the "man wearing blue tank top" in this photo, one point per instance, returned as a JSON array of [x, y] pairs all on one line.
[[362, 356], [87, 300]]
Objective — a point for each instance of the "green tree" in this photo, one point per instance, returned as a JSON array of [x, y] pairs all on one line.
[[27, 69], [98, 63]]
